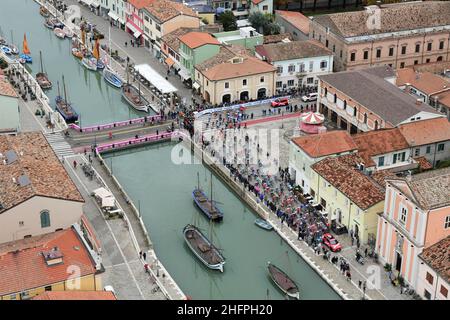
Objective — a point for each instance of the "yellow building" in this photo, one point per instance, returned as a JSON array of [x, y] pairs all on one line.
[[58, 261], [351, 196], [232, 75]]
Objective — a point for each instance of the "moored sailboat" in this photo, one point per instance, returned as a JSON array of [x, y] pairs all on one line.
[[64, 107], [207, 206], [133, 96], [88, 63], [42, 77], [26, 51], [109, 74], [59, 33]]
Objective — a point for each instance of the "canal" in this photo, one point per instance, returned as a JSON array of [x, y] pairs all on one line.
[[95, 100], [163, 189]]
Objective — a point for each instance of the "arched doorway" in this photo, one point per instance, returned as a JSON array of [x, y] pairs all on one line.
[[243, 96], [207, 96], [261, 93], [226, 98]]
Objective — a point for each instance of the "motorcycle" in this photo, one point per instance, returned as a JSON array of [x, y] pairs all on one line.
[[359, 258]]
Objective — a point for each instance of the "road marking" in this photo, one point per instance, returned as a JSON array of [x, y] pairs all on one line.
[[112, 234]]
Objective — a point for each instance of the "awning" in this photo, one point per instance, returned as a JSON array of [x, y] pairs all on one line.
[[169, 62], [95, 4], [155, 78], [88, 2], [137, 34], [108, 202], [196, 85], [102, 193], [113, 16], [184, 74], [132, 27]]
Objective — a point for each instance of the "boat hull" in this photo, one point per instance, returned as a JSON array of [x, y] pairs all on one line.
[[189, 229], [59, 33], [292, 291], [263, 224], [66, 111], [203, 208], [87, 63], [144, 106], [43, 81], [112, 78]]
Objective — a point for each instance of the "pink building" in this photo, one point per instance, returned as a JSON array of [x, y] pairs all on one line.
[[135, 20], [416, 216]]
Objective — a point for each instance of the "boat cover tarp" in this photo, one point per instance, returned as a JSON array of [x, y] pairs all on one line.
[[155, 78], [102, 193], [108, 202]]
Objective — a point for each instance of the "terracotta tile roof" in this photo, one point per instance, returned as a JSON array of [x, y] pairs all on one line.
[[76, 295], [369, 88], [426, 82], [292, 50], [139, 4], [423, 132], [221, 67], [377, 142], [341, 172], [197, 39], [256, 2], [6, 89], [23, 266], [437, 256], [399, 17], [424, 164], [298, 20], [380, 176], [444, 99], [165, 10], [325, 144], [430, 189], [172, 39], [274, 38], [36, 161]]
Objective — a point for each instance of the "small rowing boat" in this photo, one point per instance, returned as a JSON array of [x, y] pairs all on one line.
[[112, 77], [203, 248], [59, 33], [263, 224], [26, 58], [283, 282], [49, 23], [7, 50], [69, 33], [44, 12], [14, 48], [77, 53], [89, 64], [100, 64]]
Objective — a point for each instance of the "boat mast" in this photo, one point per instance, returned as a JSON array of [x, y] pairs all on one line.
[[139, 89], [40, 58], [65, 93], [109, 45], [128, 76], [59, 93], [198, 180]]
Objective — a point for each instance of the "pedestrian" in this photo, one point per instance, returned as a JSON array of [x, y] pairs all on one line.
[[349, 275], [125, 44], [365, 252], [110, 135], [357, 243], [74, 164], [359, 284], [140, 254], [352, 239], [364, 286], [144, 255], [90, 159]]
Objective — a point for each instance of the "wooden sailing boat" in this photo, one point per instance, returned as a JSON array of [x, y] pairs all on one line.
[[64, 107], [109, 74], [133, 96], [42, 77], [26, 51], [203, 247], [283, 281], [206, 205]]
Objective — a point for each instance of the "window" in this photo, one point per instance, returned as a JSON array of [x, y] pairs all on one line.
[[366, 54], [404, 49], [311, 66], [427, 295], [402, 65], [381, 161], [21, 223], [301, 67], [352, 56], [48, 288], [447, 222], [244, 82], [291, 68], [323, 202], [326, 43], [146, 18], [399, 157], [365, 118], [345, 104], [417, 152], [444, 291], [227, 85], [265, 8], [403, 215], [440, 147], [279, 69], [290, 83], [378, 53], [335, 98], [340, 54], [310, 80], [261, 79], [45, 219], [428, 149], [279, 84], [391, 51], [323, 64], [429, 278], [441, 44], [427, 61], [416, 61], [376, 125], [417, 47], [429, 46], [334, 48]]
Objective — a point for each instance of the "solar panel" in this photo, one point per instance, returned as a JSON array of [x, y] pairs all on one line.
[[11, 156], [24, 180]]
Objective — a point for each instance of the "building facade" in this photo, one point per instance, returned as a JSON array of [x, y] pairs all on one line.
[[397, 35], [246, 37], [293, 23], [416, 216], [9, 108]]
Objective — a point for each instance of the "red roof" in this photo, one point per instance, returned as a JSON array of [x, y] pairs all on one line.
[[298, 20], [197, 39], [139, 4], [76, 295], [325, 144], [22, 264]]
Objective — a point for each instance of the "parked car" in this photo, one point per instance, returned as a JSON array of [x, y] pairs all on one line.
[[329, 241], [310, 97], [280, 102]]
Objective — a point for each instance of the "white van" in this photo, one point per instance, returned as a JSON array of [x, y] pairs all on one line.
[[310, 97]]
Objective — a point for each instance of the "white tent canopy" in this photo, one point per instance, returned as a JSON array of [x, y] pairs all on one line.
[[102, 193], [155, 78], [108, 202]]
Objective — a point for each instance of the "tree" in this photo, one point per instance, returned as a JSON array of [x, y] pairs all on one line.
[[258, 20], [271, 28], [228, 20]]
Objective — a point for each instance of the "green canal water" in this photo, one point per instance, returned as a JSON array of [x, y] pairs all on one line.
[[163, 189], [92, 97]]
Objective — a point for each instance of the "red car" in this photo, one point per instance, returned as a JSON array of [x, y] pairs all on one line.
[[280, 102], [329, 241]]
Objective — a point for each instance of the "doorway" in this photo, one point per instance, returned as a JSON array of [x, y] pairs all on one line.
[[398, 262]]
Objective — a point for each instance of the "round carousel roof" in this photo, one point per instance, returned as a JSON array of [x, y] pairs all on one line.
[[312, 118]]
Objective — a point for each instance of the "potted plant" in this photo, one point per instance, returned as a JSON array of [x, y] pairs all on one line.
[[388, 267]]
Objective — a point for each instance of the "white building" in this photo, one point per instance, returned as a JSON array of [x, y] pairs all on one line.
[[115, 10], [297, 62], [306, 150], [9, 108]]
